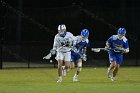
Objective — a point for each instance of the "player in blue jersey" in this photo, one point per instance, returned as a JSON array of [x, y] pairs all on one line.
[[78, 52], [117, 45]]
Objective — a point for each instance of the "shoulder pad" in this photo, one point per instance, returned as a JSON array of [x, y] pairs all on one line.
[[114, 37]]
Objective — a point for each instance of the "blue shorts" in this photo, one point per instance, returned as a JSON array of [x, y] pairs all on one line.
[[74, 56], [118, 57]]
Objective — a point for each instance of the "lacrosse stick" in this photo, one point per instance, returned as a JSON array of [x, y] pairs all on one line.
[[48, 56], [107, 49], [99, 49], [52, 52]]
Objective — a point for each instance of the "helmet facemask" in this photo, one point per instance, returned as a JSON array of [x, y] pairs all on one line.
[[120, 36], [84, 34], [84, 38], [62, 30], [121, 33]]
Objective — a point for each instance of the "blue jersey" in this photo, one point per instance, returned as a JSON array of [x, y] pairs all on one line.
[[78, 51], [115, 44]]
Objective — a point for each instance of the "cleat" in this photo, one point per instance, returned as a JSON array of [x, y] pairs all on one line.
[[59, 80], [75, 79], [112, 78]]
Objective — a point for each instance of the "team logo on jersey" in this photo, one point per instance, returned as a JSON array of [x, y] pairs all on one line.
[[118, 45]]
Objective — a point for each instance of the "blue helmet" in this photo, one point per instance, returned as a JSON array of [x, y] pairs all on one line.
[[85, 33], [121, 31]]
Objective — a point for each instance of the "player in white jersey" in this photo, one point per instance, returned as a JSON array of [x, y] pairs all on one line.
[[78, 52], [62, 45]]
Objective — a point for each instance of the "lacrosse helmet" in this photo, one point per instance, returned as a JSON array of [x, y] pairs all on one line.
[[121, 31], [85, 33], [62, 30]]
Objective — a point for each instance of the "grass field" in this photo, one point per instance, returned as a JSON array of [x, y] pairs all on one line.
[[43, 80]]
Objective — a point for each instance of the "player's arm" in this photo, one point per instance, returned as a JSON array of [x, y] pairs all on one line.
[[52, 51], [85, 50], [126, 47], [74, 41], [71, 40], [84, 54], [55, 46], [108, 42]]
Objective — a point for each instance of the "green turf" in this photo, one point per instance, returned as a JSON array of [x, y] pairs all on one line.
[[43, 80]]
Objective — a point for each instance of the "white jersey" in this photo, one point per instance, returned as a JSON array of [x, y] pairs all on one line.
[[59, 42]]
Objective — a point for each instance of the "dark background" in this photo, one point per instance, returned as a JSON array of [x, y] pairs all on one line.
[[29, 26]]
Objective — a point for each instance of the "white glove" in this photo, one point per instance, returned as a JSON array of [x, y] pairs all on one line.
[[126, 50], [107, 48], [53, 51], [84, 57], [123, 50]]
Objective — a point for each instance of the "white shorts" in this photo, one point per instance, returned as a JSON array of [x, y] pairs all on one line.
[[66, 56]]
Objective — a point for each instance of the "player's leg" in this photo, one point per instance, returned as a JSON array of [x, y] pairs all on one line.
[[115, 71], [72, 65], [66, 68], [119, 59], [67, 59], [112, 59], [59, 58], [63, 69], [79, 68], [60, 70], [110, 68]]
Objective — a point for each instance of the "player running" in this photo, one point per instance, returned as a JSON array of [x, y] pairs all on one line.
[[117, 45], [78, 53], [62, 46]]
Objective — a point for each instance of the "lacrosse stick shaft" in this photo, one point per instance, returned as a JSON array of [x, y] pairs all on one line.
[[98, 49]]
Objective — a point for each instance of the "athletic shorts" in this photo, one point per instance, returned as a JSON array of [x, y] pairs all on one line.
[[66, 56], [115, 57], [74, 56]]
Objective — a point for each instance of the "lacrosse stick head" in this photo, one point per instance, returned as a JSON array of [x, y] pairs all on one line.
[[95, 49], [48, 56]]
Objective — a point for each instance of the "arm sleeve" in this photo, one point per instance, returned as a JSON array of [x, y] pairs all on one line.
[[108, 42], [126, 45], [55, 44], [73, 39], [110, 39]]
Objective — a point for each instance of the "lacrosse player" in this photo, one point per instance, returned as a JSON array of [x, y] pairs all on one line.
[[78, 52], [62, 46], [117, 45]]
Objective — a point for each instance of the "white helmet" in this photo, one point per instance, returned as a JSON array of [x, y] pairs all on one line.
[[62, 30], [61, 27]]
